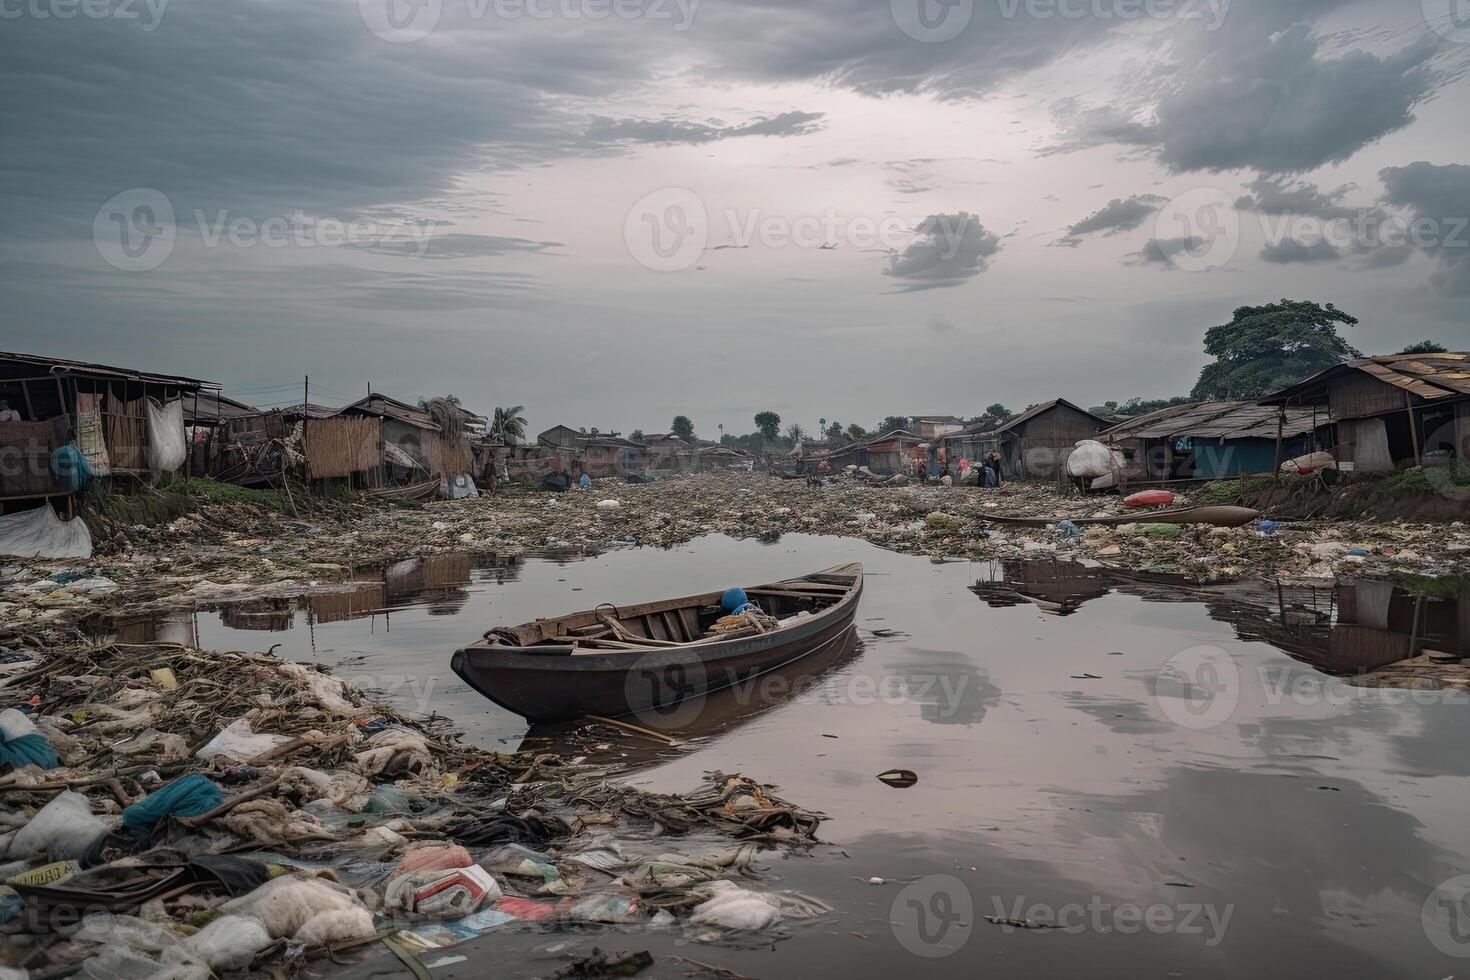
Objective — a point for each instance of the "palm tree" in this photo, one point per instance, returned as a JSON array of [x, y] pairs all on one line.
[[509, 425], [795, 432]]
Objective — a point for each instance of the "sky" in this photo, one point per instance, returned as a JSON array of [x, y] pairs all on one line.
[[616, 211]]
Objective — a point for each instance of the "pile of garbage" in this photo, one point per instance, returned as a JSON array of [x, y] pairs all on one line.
[[172, 812], [232, 552]]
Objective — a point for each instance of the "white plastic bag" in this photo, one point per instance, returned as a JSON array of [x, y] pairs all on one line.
[[228, 943], [1091, 459], [63, 829], [238, 741], [167, 445]]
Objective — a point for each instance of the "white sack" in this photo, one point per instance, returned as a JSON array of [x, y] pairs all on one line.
[[168, 446], [39, 533]]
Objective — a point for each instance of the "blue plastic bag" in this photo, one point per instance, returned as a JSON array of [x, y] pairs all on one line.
[[27, 750], [187, 796]]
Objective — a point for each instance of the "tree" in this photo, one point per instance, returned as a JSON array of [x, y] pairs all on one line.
[[795, 432], [893, 422], [834, 432], [682, 427], [856, 432], [509, 425], [1134, 407], [998, 411], [636, 435], [1425, 347], [768, 424], [1265, 348], [452, 418]]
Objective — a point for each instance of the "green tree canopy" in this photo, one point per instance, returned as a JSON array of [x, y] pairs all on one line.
[[636, 435], [1425, 347], [856, 432], [892, 422], [768, 424], [1265, 348], [998, 411], [682, 427]]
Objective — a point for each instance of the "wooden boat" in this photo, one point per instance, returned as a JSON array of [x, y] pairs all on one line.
[[657, 660]]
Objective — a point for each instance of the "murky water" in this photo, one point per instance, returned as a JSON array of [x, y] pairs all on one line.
[[1179, 778]]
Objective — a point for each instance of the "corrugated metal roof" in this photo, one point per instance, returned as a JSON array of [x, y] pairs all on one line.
[[1430, 376], [1215, 420], [83, 367]]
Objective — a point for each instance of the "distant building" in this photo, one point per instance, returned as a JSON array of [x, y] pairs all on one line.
[[1034, 444], [1211, 440]]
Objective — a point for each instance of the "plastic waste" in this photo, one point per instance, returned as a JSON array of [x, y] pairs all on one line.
[[442, 894], [388, 799], [608, 505], [1268, 528], [338, 926], [238, 741], [187, 796], [62, 830], [1159, 530], [286, 905], [433, 857], [230, 942], [22, 745], [1068, 530]]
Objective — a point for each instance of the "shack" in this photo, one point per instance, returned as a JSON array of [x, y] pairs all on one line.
[[889, 453], [121, 420], [1034, 444], [613, 456], [1211, 440], [1391, 411], [665, 451]]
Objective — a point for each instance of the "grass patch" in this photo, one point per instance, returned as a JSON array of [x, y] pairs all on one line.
[[1219, 493]]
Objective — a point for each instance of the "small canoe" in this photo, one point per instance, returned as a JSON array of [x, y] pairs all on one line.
[[654, 662], [1149, 498]]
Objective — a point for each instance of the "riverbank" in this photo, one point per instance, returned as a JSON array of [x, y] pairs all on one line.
[[238, 547]]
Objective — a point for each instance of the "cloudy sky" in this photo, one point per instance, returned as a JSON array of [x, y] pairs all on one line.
[[614, 211]]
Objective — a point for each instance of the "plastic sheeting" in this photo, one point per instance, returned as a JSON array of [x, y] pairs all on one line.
[[168, 447], [39, 533], [458, 487]]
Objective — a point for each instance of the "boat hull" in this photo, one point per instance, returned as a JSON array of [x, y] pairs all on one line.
[[662, 688]]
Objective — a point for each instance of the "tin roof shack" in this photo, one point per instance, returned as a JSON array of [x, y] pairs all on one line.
[[1034, 444], [413, 446], [667, 451], [889, 453], [604, 456], [1392, 411], [930, 426], [1210, 440], [208, 416], [50, 402]]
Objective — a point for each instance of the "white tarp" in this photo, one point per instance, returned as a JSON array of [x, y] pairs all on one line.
[[168, 447], [39, 533]]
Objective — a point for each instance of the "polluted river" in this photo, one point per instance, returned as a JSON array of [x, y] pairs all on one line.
[[1084, 771]]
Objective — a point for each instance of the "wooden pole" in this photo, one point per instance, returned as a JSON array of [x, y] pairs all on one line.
[[305, 418], [1413, 428], [1280, 425]]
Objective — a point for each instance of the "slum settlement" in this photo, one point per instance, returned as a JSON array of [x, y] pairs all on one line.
[[171, 810]]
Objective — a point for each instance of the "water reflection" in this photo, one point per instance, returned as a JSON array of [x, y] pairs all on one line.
[[1349, 628]]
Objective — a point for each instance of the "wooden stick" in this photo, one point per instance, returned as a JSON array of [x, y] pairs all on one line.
[[230, 804], [635, 729]]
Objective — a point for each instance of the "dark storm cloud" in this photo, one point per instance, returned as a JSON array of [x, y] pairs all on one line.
[[1289, 251], [1161, 251], [1283, 195], [1438, 199], [1118, 215], [949, 249], [1260, 94], [605, 129]]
